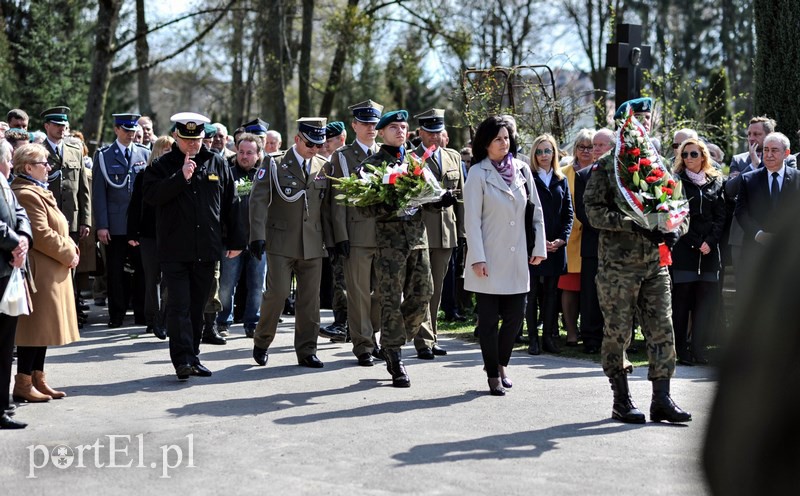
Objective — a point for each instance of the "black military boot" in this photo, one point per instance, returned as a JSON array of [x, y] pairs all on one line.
[[396, 368], [663, 408], [533, 347], [337, 331], [624, 408], [210, 334]]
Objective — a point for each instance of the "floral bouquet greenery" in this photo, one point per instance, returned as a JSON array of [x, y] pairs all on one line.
[[648, 193], [403, 186], [243, 186]]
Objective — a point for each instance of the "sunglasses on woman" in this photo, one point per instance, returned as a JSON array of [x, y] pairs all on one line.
[[693, 154], [546, 151]]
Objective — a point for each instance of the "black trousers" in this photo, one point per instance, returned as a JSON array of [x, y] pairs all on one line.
[[546, 288], [591, 315], [8, 327], [699, 299], [124, 287], [189, 285], [30, 358], [496, 346]]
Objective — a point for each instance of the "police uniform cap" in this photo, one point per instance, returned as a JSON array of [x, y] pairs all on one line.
[[367, 111], [128, 122], [644, 104], [312, 129], [393, 116], [334, 129], [256, 126], [210, 130], [56, 115], [431, 120], [190, 125]]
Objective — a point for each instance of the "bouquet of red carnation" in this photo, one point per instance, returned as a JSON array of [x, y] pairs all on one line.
[[404, 185], [648, 193]]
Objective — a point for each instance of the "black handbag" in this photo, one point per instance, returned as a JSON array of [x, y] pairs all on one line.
[[530, 230]]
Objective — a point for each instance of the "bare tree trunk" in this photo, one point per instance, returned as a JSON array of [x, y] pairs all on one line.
[[108, 11], [142, 58], [237, 68], [339, 59], [276, 64], [304, 69]]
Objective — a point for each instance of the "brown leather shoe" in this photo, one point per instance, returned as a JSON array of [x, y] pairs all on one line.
[[25, 392], [40, 383]]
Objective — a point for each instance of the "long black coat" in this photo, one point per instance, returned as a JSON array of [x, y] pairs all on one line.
[[557, 209], [590, 235], [14, 223], [190, 215], [706, 224]]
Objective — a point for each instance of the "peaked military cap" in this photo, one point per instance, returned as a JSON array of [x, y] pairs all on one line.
[[190, 125], [333, 129], [128, 122], [256, 126], [56, 115], [431, 120], [393, 116], [643, 104], [367, 111], [312, 129]]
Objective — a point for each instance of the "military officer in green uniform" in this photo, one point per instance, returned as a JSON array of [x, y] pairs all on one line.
[[288, 221], [68, 180], [354, 235], [444, 224], [402, 263], [630, 278]]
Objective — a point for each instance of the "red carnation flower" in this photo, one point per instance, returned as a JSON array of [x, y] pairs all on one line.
[[651, 179], [633, 168], [666, 190], [671, 183], [644, 161], [635, 152]]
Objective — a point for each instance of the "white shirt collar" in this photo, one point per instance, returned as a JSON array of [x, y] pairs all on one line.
[[364, 147], [300, 160], [55, 146], [122, 147], [545, 176]]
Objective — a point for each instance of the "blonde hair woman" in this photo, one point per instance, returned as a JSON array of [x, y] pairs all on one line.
[[553, 190]]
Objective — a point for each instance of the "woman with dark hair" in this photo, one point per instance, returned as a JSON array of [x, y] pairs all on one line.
[[496, 193], [696, 256], [53, 254], [553, 189]]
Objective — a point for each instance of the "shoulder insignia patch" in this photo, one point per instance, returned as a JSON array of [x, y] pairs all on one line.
[[262, 172]]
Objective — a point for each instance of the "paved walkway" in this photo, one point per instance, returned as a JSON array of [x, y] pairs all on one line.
[[285, 429]]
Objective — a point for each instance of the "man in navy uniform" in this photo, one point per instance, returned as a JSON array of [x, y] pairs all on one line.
[[116, 167], [193, 192]]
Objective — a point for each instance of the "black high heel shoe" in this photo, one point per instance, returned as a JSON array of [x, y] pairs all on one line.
[[504, 380], [497, 389]]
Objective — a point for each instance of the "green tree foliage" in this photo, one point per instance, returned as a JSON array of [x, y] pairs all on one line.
[[777, 56], [719, 111], [51, 58]]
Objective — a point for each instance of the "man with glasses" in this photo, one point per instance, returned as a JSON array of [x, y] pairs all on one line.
[[680, 136], [288, 221], [220, 140], [603, 141], [116, 168]]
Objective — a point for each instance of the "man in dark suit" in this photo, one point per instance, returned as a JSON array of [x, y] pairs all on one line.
[[115, 170], [762, 195]]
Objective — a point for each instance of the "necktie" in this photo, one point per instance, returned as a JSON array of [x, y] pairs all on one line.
[[58, 152], [128, 155], [776, 188], [369, 152], [305, 167]]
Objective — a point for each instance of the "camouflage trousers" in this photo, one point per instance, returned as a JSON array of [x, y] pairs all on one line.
[[622, 289], [339, 301], [405, 284]]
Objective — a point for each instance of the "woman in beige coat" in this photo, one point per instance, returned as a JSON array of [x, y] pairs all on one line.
[[496, 192], [53, 321]]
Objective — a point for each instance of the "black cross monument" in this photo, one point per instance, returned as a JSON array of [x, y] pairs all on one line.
[[629, 57]]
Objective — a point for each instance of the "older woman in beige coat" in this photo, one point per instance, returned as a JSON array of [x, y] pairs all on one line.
[[53, 321], [497, 190]]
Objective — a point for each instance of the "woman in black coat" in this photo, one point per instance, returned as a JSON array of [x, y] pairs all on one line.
[[553, 189], [696, 256]]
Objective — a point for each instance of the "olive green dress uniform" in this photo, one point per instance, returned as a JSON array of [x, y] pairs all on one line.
[[444, 226], [351, 224], [286, 211], [402, 270], [629, 277], [70, 184]]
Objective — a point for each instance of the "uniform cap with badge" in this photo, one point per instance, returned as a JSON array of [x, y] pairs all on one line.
[[312, 129], [643, 104], [334, 129], [393, 116], [367, 111], [56, 115], [256, 126], [431, 120], [128, 122], [190, 125]]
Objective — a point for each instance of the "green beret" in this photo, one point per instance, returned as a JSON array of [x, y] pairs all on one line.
[[643, 104], [334, 129], [393, 116]]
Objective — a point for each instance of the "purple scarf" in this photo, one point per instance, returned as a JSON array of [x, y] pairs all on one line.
[[505, 168]]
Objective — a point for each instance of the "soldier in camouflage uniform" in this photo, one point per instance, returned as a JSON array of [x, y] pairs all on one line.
[[630, 277], [402, 263]]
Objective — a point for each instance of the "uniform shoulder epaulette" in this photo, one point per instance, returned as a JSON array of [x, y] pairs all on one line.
[[104, 147], [453, 152], [73, 145], [142, 146], [277, 154]]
